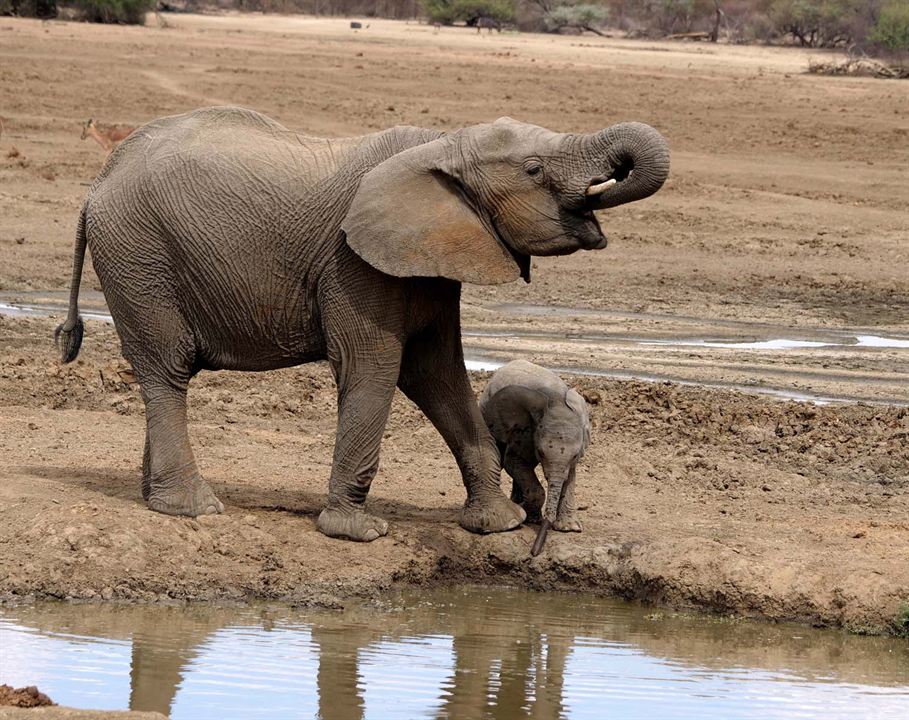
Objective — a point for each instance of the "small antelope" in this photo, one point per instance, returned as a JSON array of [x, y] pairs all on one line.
[[107, 136]]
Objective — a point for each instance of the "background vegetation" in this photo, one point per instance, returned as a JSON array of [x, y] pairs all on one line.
[[870, 26]]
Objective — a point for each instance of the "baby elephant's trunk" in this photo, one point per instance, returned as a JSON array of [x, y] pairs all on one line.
[[556, 478]]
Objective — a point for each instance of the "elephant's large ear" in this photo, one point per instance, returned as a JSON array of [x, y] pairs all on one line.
[[576, 402], [411, 217]]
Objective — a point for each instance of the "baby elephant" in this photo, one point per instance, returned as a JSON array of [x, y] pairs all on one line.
[[536, 419]]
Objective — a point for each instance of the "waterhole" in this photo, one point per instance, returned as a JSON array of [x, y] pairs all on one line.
[[457, 653]]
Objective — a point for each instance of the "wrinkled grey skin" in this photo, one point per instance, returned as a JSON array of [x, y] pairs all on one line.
[[224, 241], [536, 419]]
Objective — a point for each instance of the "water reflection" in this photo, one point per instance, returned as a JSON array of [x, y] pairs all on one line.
[[465, 654]]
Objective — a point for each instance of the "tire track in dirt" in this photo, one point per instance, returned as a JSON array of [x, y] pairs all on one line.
[[171, 86]]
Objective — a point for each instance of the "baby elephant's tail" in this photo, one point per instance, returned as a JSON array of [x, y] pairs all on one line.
[[68, 336]]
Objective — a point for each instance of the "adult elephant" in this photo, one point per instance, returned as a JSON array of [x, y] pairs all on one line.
[[225, 241]]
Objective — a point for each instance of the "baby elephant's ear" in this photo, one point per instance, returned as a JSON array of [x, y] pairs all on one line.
[[410, 217], [576, 402]]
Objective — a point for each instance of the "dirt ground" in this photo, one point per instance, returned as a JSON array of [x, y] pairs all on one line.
[[786, 215], [30, 702]]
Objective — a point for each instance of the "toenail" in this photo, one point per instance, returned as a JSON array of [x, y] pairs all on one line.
[[371, 535]]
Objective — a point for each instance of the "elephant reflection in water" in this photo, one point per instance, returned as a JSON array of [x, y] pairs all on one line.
[[501, 660], [500, 665], [495, 681], [510, 651]]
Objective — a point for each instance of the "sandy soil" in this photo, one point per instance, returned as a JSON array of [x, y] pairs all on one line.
[[786, 215]]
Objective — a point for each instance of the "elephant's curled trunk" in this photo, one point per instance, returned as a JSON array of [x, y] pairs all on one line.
[[638, 158]]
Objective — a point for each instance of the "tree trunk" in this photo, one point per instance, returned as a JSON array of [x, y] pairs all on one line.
[[715, 33]]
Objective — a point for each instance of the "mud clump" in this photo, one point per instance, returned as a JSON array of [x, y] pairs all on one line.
[[27, 697]]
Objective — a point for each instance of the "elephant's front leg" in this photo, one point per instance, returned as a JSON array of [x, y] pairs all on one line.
[[433, 376], [567, 519], [364, 398], [526, 489], [364, 350]]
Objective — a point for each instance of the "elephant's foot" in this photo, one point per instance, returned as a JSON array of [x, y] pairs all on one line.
[[351, 525], [192, 498], [532, 504], [534, 513], [495, 513], [531, 499], [567, 523]]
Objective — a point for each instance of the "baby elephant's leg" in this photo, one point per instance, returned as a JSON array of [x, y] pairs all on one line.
[[526, 489], [567, 517]]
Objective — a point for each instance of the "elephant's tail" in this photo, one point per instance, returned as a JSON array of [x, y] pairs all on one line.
[[68, 336]]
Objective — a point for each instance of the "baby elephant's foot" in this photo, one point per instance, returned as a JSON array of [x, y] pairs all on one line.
[[534, 513], [492, 514], [351, 525], [567, 523], [533, 506], [193, 497]]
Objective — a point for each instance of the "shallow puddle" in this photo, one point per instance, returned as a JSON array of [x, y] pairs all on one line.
[[45, 303], [463, 653], [857, 341], [23, 310]]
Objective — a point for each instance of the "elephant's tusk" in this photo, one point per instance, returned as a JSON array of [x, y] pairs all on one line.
[[601, 187], [541, 538]]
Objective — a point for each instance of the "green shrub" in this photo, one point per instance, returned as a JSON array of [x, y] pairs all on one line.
[[29, 8], [583, 17], [128, 12], [816, 23], [892, 32], [447, 12], [670, 16], [901, 621]]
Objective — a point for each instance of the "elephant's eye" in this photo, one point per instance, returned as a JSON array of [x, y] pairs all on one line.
[[534, 169]]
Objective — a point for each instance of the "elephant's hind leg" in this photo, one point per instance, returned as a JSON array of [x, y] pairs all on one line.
[[171, 482]]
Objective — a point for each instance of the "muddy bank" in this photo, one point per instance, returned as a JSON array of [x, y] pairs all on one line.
[[691, 497], [65, 713], [30, 702]]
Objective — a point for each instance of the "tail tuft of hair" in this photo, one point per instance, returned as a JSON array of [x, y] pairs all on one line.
[[69, 341]]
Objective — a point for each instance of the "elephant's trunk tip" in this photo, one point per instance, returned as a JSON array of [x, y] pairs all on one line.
[[639, 158], [541, 538]]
